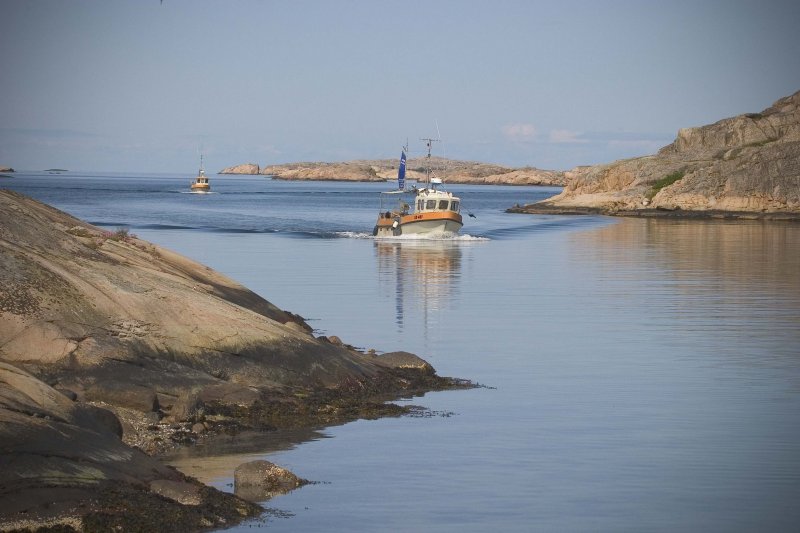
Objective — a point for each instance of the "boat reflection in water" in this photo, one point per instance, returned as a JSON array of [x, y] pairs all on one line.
[[422, 275]]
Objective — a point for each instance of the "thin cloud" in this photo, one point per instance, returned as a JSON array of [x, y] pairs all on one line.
[[566, 136], [520, 132], [29, 133]]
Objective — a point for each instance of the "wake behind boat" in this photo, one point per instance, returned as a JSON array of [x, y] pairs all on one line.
[[200, 183], [436, 211]]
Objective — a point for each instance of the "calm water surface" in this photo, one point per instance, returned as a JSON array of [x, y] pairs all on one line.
[[641, 375]]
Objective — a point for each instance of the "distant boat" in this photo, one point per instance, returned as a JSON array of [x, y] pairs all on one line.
[[436, 211], [200, 183]]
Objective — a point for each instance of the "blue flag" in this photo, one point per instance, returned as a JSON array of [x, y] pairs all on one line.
[[401, 172]]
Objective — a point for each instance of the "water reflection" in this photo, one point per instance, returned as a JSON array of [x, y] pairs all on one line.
[[703, 283], [421, 275], [213, 459]]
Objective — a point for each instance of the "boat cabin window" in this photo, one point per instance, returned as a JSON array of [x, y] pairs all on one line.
[[443, 204], [454, 207], [430, 204], [420, 205]]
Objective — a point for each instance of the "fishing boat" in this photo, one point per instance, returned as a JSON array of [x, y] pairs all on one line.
[[435, 210], [200, 183]]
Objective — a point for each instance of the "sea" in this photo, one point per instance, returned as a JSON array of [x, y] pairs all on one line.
[[634, 374]]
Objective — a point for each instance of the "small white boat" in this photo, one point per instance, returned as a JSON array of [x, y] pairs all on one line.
[[435, 211], [200, 183]]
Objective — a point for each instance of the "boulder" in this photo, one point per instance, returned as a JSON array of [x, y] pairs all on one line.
[[189, 408], [102, 420], [405, 360], [124, 394], [260, 480]]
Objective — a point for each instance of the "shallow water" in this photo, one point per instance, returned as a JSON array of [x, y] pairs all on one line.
[[641, 375]]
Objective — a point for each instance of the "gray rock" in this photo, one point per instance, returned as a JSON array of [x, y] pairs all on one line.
[[189, 408], [124, 394], [145, 325], [260, 480], [98, 418], [58, 454], [405, 360], [182, 492], [72, 395]]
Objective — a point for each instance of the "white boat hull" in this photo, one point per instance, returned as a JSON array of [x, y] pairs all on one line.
[[416, 227], [430, 226]]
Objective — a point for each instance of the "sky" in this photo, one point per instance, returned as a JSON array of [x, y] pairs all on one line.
[[146, 85]]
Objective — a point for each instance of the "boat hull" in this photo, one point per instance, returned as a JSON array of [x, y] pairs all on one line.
[[418, 224], [203, 187]]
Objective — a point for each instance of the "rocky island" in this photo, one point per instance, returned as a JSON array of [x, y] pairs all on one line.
[[747, 166], [114, 350], [451, 171]]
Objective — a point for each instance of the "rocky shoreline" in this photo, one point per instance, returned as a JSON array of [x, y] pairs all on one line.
[[379, 170], [544, 208], [746, 166], [114, 351]]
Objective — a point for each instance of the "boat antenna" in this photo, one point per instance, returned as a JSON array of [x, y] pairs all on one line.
[[429, 141], [444, 152], [200, 149]]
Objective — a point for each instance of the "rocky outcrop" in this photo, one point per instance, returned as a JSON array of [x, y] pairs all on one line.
[[142, 323], [522, 176], [6, 169], [108, 342], [247, 168], [62, 464], [451, 171], [352, 171], [749, 164], [123, 323]]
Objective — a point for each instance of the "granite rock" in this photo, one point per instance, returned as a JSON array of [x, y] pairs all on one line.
[[247, 168], [747, 164]]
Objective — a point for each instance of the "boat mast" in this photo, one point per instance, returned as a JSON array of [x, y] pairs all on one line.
[[428, 141]]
